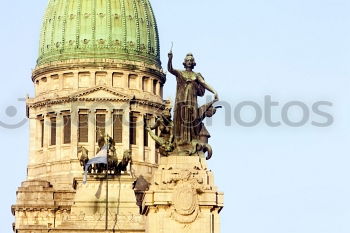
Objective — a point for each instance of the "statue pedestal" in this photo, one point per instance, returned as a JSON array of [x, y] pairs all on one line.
[[182, 198], [41, 208], [89, 209]]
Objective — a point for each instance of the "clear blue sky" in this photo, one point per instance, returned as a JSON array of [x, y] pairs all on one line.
[[276, 180]]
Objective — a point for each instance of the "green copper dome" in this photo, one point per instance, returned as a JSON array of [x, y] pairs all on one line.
[[99, 29]]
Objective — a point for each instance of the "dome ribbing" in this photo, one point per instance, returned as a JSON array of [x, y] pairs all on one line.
[[99, 29]]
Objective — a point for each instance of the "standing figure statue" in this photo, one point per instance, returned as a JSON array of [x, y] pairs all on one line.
[[187, 115]]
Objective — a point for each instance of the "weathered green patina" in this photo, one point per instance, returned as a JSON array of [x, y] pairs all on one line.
[[99, 29]]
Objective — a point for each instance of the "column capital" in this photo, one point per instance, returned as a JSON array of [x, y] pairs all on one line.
[[51, 114], [65, 112]]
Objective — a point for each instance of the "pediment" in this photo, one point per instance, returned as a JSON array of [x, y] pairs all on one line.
[[101, 93]]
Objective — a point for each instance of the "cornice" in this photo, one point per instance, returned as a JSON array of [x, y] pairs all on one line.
[[83, 96], [99, 64]]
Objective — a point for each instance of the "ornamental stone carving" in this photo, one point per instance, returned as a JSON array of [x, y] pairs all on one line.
[[185, 203]]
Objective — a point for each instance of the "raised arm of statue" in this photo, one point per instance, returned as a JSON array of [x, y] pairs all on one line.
[[207, 86], [170, 65]]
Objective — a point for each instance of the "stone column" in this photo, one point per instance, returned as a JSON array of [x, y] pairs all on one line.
[[133, 148], [75, 169], [141, 143], [39, 146], [109, 122], [45, 156], [148, 149], [33, 138], [74, 131], [158, 89], [126, 130], [47, 127], [152, 143], [92, 132], [139, 148], [59, 135]]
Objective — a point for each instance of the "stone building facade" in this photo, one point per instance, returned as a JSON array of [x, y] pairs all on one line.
[[99, 71]]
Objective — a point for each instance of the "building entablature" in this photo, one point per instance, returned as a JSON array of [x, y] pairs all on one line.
[[99, 95]]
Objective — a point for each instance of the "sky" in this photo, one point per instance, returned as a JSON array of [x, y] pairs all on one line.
[[280, 179]]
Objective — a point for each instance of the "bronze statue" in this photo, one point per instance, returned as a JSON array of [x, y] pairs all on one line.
[[112, 157], [188, 116], [165, 125], [122, 166], [83, 156], [114, 168], [140, 186]]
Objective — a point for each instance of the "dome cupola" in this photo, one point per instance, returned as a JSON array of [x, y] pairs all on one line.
[[124, 30]]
